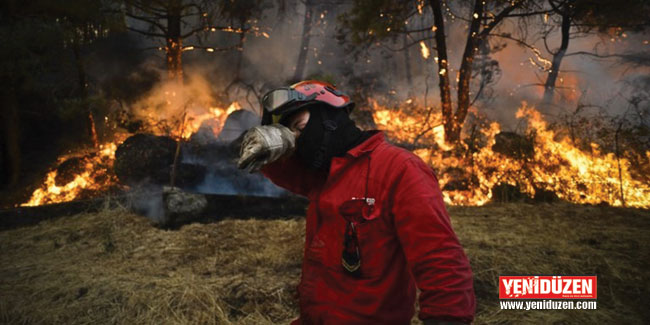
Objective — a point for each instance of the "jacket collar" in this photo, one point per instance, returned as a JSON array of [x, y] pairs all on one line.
[[369, 145]]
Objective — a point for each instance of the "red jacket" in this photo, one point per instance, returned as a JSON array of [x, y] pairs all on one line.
[[409, 242]]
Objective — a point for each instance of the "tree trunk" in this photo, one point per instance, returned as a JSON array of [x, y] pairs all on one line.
[[443, 71], [91, 130], [465, 73], [10, 146], [240, 57], [174, 42], [304, 44], [407, 65], [549, 86]]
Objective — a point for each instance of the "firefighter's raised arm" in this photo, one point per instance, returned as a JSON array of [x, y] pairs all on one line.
[[265, 144]]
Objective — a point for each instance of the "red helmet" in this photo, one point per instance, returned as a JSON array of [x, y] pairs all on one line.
[[278, 103]]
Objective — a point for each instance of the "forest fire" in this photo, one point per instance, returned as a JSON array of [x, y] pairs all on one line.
[[90, 172], [543, 163], [94, 173]]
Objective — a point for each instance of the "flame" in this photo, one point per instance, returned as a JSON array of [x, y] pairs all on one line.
[[165, 111], [216, 114], [406, 126], [555, 165], [424, 49], [95, 175]]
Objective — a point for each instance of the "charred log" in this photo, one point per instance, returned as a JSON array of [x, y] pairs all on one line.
[[145, 158], [513, 145]]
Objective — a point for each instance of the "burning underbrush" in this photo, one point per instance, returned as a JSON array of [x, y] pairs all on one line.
[[193, 140], [183, 129], [84, 174], [543, 164], [113, 267]]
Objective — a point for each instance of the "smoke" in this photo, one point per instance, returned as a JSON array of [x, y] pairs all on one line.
[[584, 80], [148, 201], [214, 80], [264, 63], [219, 156]]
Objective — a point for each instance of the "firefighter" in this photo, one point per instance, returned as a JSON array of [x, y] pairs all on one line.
[[376, 226]]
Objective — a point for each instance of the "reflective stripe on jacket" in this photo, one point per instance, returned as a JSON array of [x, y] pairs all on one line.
[[407, 242]]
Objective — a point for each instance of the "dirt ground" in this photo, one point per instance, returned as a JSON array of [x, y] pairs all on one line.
[[113, 267]]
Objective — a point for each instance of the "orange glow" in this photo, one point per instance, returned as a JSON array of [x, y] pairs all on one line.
[[467, 176], [95, 175], [556, 164], [161, 111]]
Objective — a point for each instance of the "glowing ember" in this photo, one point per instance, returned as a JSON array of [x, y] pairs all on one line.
[[424, 49]]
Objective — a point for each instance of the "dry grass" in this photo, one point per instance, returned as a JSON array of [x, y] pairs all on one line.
[[559, 239], [113, 267]]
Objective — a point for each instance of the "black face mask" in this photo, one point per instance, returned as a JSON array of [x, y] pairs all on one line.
[[329, 133]]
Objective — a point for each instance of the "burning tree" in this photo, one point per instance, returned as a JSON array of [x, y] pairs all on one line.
[[177, 21], [482, 19]]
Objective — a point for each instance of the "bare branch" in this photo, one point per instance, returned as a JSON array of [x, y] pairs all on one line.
[[419, 30], [498, 18], [548, 49], [532, 13], [518, 41], [149, 20], [146, 33], [600, 56], [194, 31], [237, 47], [160, 13], [556, 7], [407, 45]]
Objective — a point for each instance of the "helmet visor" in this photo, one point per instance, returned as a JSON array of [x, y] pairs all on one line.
[[278, 101], [275, 99]]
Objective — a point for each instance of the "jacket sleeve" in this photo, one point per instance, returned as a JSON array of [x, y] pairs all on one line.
[[291, 174], [434, 254]]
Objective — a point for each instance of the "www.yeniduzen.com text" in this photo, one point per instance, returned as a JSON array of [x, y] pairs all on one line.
[[546, 304]]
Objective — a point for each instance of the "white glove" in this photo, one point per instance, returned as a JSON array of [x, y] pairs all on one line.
[[265, 144]]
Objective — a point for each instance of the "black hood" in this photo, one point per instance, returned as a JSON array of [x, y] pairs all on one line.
[[329, 133]]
